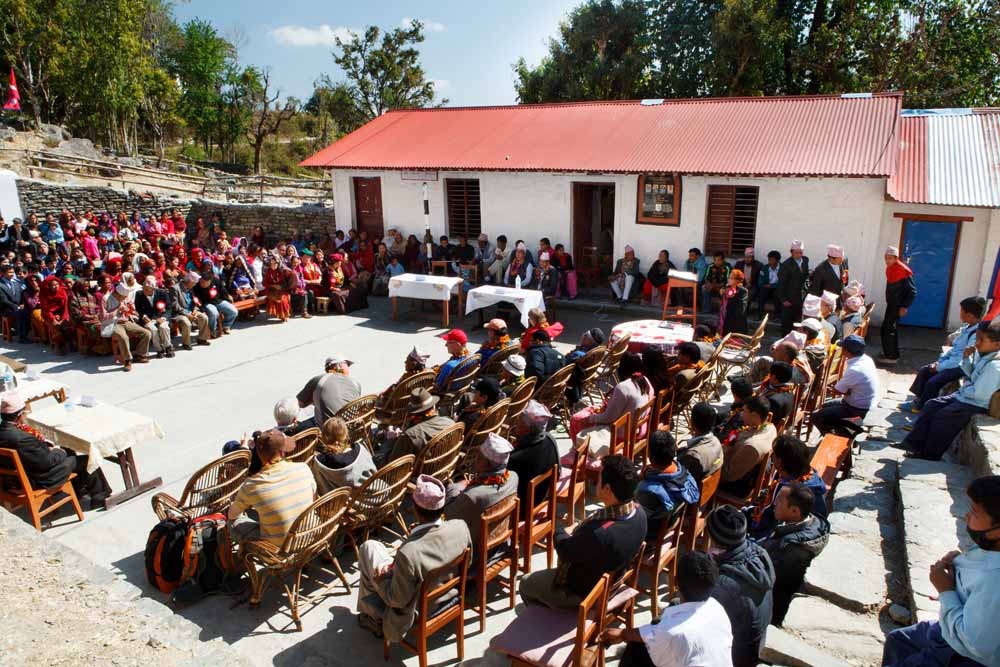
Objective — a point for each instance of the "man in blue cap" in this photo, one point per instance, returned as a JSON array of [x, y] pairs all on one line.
[[857, 386]]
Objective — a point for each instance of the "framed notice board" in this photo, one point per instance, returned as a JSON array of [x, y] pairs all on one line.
[[659, 199]]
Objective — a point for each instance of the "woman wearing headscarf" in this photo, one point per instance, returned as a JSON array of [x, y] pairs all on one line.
[[302, 298], [312, 273], [197, 257], [54, 299], [658, 277], [129, 282], [334, 283], [275, 286], [86, 314]]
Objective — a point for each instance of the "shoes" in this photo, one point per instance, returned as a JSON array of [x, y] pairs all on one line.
[[909, 406], [203, 342], [372, 625], [887, 361], [170, 352], [226, 332], [185, 346], [159, 354], [141, 360], [127, 366], [306, 316], [23, 339]]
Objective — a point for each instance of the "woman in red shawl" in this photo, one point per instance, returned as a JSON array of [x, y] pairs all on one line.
[[537, 321], [113, 267], [55, 311], [197, 257], [900, 291], [275, 285]]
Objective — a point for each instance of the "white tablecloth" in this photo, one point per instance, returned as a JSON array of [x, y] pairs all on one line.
[[487, 295], [99, 431], [31, 390], [664, 336], [430, 288]]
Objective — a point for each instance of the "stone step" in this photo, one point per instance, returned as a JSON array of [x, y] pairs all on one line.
[[855, 638], [933, 503], [783, 648], [849, 574], [979, 445]]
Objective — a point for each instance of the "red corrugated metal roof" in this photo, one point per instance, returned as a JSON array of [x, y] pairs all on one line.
[[948, 157], [818, 135]]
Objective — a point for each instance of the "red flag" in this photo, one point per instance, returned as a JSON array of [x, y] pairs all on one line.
[[13, 97]]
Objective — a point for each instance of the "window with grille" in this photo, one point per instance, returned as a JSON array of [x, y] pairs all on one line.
[[464, 218], [732, 219]]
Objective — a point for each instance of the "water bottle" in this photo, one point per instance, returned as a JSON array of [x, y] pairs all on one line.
[[8, 379], [517, 283]]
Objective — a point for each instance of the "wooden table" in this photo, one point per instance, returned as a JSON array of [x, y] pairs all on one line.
[[102, 431], [663, 336], [427, 288]]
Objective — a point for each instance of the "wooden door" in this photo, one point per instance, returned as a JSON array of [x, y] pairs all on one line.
[[368, 202], [930, 248]]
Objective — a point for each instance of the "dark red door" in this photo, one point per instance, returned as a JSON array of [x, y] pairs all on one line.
[[368, 199]]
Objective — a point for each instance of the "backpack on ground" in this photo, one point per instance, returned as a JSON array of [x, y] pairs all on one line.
[[196, 550]]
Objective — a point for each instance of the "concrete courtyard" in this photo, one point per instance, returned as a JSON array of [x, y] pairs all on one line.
[[213, 394]]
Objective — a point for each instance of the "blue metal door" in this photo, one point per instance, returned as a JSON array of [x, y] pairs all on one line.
[[929, 249]]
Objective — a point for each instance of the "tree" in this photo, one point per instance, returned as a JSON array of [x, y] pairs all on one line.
[[601, 54], [266, 120], [158, 109], [383, 71], [681, 46], [333, 106], [202, 60]]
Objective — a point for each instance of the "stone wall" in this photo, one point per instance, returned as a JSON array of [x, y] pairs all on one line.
[[40, 198], [278, 221]]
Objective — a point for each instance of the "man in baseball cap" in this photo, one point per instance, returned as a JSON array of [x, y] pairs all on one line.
[[455, 341], [858, 388], [390, 584], [329, 392], [498, 339]]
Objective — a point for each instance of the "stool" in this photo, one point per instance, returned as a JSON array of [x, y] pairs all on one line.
[[681, 312], [323, 304]]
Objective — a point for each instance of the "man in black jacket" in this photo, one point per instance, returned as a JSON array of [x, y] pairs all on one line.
[[792, 278], [603, 544], [542, 359], [11, 287], [799, 537], [900, 291], [47, 466], [746, 579], [535, 452], [830, 275], [214, 299]]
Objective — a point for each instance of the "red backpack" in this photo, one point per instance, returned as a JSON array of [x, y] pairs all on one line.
[[179, 550]]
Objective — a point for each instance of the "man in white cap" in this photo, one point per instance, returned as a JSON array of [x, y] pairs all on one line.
[[490, 483], [512, 373], [831, 274], [498, 339], [626, 277], [484, 250], [390, 584], [828, 316], [535, 449], [546, 275], [792, 278], [120, 324], [852, 316], [816, 346], [331, 391], [751, 268], [900, 291], [46, 465]]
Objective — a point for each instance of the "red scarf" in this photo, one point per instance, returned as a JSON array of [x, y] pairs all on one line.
[[897, 271]]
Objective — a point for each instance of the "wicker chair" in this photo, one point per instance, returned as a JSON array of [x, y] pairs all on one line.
[[458, 382], [493, 365], [358, 415], [440, 455], [739, 351], [393, 411], [375, 504], [607, 376], [209, 490], [518, 400], [590, 366], [305, 446], [497, 529], [552, 393], [310, 535], [491, 421]]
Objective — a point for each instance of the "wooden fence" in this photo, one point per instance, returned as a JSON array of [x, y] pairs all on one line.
[[216, 185]]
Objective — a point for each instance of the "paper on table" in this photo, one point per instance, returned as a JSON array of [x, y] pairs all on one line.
[[683, 275]]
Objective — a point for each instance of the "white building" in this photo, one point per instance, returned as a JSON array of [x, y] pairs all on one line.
[[718, 174]]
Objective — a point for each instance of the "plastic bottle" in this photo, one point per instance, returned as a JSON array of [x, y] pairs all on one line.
[[8, 379], [517, 282]]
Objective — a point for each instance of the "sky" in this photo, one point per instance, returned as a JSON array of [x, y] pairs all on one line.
[[468, 50]]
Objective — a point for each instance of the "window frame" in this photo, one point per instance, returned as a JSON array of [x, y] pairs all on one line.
[[733, 246], [640, 217], [465, 231]]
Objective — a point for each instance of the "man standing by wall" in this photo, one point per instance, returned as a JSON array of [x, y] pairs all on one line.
[[792, 277], [900, 291]]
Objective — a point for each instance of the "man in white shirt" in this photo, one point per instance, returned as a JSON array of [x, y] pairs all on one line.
[[695, 633], [858, 387]]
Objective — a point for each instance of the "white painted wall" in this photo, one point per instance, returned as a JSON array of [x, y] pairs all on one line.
[[851, 212], [973, 264]]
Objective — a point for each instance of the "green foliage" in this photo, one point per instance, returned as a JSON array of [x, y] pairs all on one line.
[[202, 61], [383, 71], [601, 53]]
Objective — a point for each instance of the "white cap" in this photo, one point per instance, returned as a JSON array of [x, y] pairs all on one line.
[[515, 365], [496, 449], [810, 307], [810, 323], [536, 413], [829, 298], [796, 338], [892, 251], [798, 245]]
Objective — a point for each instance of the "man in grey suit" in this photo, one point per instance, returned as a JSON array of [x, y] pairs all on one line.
[[468, 499], [390, 585]]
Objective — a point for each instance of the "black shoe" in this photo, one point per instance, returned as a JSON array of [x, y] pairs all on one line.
[[159, 355], [185, 346], [203, 342], [372, 625], [170, 352], [23, 339]]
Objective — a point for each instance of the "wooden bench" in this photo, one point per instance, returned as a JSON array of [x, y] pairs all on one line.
[[248, 308], [833, 456]]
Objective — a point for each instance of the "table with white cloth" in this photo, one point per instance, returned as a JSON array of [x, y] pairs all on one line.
[[427, 288], [664, 336], [100, 431], [39, 388], [488, 295]]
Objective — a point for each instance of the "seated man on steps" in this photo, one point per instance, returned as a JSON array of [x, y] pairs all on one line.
[[603, 544], [932, 378], [941, 419], [968, 585], [694, 633], [792, 465], [390, 584], [858, 387]]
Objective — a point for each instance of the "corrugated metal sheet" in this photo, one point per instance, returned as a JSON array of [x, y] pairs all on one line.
[[820, 135], [949, 159]]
